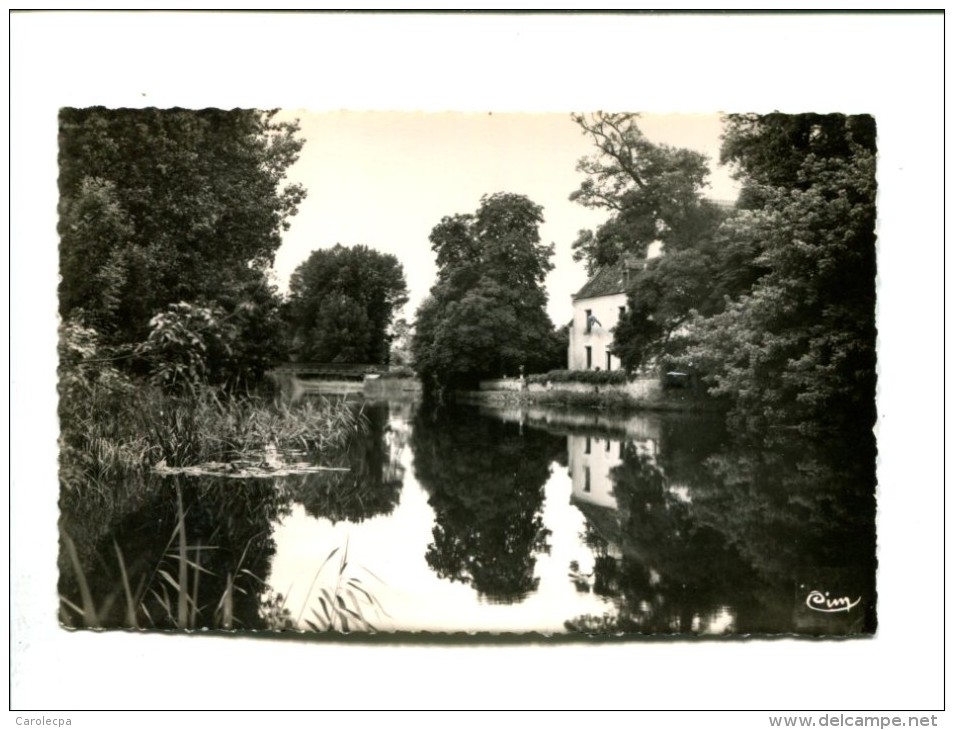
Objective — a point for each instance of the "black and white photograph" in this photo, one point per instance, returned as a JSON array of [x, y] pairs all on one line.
[[409, 417], [491, 348]]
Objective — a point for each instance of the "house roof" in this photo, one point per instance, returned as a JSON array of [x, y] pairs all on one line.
[[610, 279]]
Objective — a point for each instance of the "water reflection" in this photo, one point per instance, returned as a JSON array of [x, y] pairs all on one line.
[[486, 483], [471, 519], [363, 478], [708, 535], [190, 556]]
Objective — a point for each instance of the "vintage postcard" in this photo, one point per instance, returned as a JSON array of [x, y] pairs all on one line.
[[405, 360], [315, 379]]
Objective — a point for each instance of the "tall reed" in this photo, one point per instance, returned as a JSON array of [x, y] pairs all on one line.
[[109, 432], [347, 605], [172, 585]]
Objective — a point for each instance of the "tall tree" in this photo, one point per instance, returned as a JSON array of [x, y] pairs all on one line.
[[800, 346], [342, 301], [652, 191], [654, 194], [486, 315], [162, 206], [770, 149]]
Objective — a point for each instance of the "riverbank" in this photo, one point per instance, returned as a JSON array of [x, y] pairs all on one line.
[[120, 427], [639, 395], [292, 388]]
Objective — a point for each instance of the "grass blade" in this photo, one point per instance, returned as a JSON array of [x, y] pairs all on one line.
[[90, 619], [183, 603], [324, 607], [195, 586], [131, 621], [165, 574]]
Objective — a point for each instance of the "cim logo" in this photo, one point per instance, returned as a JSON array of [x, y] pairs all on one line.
[[818, 601]]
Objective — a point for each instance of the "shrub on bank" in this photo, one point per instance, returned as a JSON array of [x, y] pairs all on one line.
[[590, 377], [113, 424], [611, 400]]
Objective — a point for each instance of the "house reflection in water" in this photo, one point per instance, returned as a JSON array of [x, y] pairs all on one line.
[[592, 459]]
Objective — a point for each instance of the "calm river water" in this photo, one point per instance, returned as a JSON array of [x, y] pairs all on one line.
[[479, 520]]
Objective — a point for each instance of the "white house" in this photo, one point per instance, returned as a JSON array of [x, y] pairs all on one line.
[[597, 308]]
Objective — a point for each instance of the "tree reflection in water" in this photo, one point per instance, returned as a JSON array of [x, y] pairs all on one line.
[[689, 531], [365, 475], [486, 483], [734, 537]]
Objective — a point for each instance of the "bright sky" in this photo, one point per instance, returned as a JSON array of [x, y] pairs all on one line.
[[385, 179]]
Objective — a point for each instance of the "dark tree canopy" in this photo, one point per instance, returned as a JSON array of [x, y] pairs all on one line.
[[771, 149], [486, 315], [652, 191], [162, 206], [772, 301], [342, 302], [799, 346]]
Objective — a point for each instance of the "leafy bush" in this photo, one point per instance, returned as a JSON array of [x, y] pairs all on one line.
[[186, 344], [591, 377], [191, 345]]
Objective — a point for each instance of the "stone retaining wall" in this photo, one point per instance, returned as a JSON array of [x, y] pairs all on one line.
[[640, 388]]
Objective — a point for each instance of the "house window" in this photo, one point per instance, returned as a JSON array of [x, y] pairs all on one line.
[[609, 362], [589, 357], [608, 444], [589, 322], [622, 311], [586, 449], [586, 478]]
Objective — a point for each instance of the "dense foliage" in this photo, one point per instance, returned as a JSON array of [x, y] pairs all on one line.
[[342, 302], [175, 207], [772, 302], [654, 195], [652, 191], [799, 346], [486, 315]]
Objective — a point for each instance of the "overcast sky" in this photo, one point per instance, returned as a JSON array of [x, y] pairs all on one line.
[[385, 179]]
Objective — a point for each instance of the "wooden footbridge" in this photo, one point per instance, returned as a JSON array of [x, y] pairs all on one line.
[[329, 370]]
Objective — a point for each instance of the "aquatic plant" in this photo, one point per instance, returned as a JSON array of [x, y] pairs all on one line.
[[172, 592], [110, 430], [346, 605], [167, 593]]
